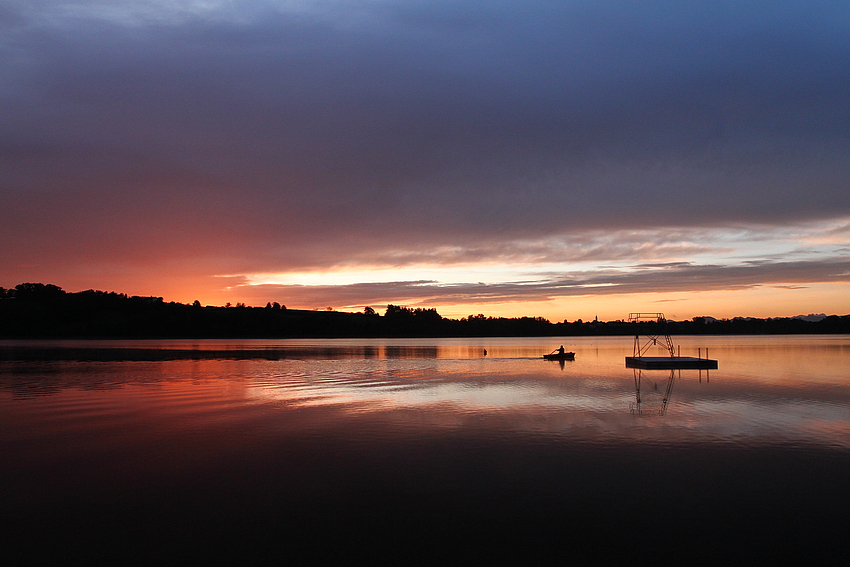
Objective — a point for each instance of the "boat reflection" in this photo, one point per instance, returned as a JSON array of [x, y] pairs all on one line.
[[561, 361]]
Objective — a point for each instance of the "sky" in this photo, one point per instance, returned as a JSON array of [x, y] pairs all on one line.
[[557, 158]]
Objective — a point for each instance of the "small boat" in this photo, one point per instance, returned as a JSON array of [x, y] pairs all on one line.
[[560, 356]]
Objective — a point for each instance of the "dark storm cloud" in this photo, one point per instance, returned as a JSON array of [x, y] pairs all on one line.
[[268, 139]]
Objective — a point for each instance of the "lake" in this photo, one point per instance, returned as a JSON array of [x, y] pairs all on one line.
[[423, 451]]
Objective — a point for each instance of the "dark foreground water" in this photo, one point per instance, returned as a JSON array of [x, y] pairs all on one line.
[[423, 452]]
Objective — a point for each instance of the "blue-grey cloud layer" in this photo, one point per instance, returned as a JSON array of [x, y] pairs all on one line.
[[270, 138]]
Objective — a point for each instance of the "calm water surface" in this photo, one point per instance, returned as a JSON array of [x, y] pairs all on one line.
[[424, 451]]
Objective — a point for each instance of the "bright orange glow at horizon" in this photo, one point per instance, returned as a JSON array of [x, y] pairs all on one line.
[[761, 302], [757, 301], [770, 273]]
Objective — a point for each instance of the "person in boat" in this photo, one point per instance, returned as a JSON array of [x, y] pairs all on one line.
[[561, 350]]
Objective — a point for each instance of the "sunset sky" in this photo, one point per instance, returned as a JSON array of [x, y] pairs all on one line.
[[565, 159]]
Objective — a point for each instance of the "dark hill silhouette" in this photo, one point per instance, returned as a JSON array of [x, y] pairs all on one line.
[[35, 310]]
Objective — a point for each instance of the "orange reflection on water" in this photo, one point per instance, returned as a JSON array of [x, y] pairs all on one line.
[[763, 386]]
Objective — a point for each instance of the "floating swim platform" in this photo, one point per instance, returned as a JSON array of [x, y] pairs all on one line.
[[669, 362]]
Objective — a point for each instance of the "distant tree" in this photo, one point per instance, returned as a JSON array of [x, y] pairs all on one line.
[[397, 311], [269, 305], [276, 305], [196, 303], [369, 311], [423, 313], [226, 305], [419, 312], [38, 291], [148, 300]]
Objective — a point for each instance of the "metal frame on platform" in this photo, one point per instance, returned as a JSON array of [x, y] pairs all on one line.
[[651, 330], [652, 338]]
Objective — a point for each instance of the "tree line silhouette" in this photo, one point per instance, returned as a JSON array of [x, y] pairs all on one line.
[[35, 310]]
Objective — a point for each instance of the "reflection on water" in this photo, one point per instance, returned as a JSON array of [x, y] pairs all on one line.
[[760, 392], [641, 406], [652, 400], [427, 442]]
